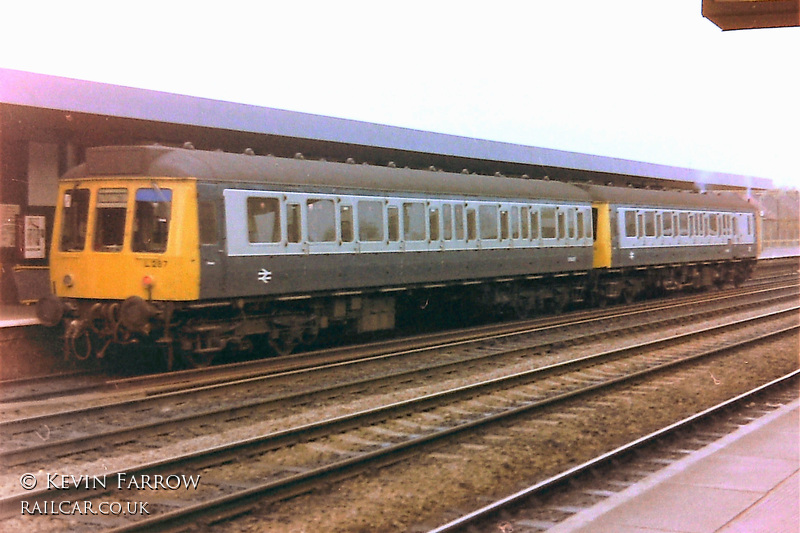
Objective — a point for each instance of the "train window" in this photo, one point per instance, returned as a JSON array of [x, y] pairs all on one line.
[[321, 220], [346, 222], [650, 223], [683, 224], [293, 223], [630, 223], [447, 221], [548, 223], [666, 225], [472, 225], [595, 215], [263, 219], [713, 224], [562, 224], [433, 219], [75, 216], [504, 223], [534, 223], [370, 220], [458, 218], [581, 223], [487, 215], [151, 220], [393, 216], [525, 221], [749, 224], [207, 222], [515, 222], [413, 221], [570, 221], [112, 209]]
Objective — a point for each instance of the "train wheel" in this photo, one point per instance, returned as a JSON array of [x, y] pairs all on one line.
[[197, 360]]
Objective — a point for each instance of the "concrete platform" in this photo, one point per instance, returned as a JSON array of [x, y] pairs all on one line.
[[747, 482]]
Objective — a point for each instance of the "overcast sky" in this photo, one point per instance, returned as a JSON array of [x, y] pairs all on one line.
[[637, 79]]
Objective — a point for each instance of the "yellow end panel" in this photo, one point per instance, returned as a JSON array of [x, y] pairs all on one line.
[[602, 244], [172, 275]]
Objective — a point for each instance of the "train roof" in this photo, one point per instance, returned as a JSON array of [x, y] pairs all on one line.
[[723, 201], [161, 161]]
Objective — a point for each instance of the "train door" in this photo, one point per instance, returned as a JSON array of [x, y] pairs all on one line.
[[211, 225]]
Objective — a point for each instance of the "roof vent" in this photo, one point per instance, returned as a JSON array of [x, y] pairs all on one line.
[[249, 151], [350, 161], [432, 168], [299, 155], [391, 164], [188, 146], [465, 171]]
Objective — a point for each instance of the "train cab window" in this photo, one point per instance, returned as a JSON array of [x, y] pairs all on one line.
[[413, 221], [393, 216], [293, 223], [370, 220], [346, 222], [548, 223], [433, 219], [263, 219], [151, 220], [488, 221], [321, 219], [112, 209], [650, 224], [74, 219], [447, 222], [458, 219], [630, 223]]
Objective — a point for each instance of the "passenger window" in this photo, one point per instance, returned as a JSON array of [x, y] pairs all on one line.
[[112, 209], [458, 216], [581, 223], [570, 220], [472, 225], [321, 220], [151, 220], [414, 221], [562, 229], [713, 224], [630, 223], [346, 222], [447, 221], [515, 222], [293, 223], [535, 224], [394, 223], [683, 224], [650, 223], [548, 223], [667, 224], [74, 220], [370, 220], [504, 222], [433, 218], [263, 219], [488, 221], [525, 220]]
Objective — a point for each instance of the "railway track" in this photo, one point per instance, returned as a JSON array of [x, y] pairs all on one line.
[[534, 507], [225, 405], [298, 459], [75, 382]]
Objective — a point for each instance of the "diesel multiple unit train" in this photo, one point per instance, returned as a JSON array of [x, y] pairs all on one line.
[[198, 251]]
